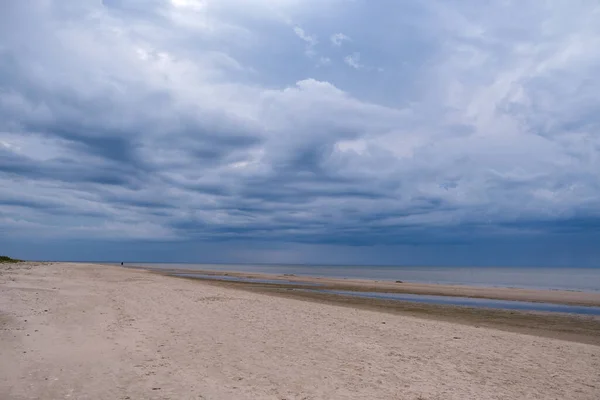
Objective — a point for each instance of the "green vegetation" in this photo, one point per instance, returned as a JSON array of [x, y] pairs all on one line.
[[5, 259]]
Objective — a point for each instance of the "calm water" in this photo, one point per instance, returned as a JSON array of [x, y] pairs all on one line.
[[468, 302], [249, 280], [581, 279]]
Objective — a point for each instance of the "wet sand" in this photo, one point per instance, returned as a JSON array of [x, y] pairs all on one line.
[[496, 293], [578, 328], [99, 332]]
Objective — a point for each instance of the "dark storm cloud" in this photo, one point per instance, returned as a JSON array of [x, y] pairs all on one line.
[[64, 170], [192, 121]]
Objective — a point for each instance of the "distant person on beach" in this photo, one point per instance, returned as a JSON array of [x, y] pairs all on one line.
[[121, 263]]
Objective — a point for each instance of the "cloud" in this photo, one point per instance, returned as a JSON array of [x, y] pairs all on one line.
[[353, 60], [324, 61], [311, 41], [338, 38], [196, 122], [195, 5]]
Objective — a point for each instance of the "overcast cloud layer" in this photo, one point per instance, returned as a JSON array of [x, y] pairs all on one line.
[[285, 131]]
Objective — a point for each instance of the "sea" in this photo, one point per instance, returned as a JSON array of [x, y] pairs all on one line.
[[576, 279]]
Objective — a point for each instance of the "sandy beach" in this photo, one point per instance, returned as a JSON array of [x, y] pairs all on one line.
[[85, 331]]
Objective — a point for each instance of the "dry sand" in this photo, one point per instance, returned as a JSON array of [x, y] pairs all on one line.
[[96, 332]]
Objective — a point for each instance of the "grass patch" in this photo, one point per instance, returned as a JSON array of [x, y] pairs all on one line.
[[6, 259]]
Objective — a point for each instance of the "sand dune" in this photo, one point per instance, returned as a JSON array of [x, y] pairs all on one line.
[[95, 332]]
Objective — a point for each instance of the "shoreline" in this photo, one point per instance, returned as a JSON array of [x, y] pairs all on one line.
[[426, 276], [569, 327], [552, 296]]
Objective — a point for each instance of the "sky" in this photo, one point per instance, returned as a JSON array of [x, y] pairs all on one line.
[[433, 132]]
